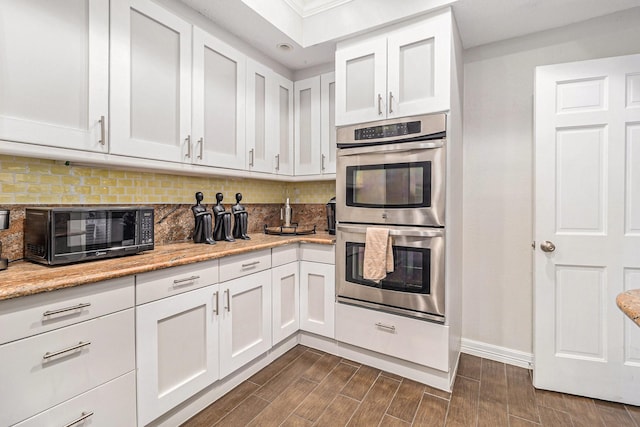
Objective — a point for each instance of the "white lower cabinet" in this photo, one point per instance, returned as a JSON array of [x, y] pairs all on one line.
[[245, 320], [317, 297], [111, 404], [44, 370], [285, 280], [413, 340], [177, 349]]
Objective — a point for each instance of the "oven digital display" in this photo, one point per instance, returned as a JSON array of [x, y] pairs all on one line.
[[388, 131]]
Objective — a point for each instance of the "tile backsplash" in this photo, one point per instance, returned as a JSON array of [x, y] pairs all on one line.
[[29, 182], [36, 181]]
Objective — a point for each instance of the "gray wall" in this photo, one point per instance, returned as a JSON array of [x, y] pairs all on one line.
[[498, 169]]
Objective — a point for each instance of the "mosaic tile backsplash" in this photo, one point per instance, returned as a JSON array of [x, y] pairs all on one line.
[[35, 181], [28, 182]]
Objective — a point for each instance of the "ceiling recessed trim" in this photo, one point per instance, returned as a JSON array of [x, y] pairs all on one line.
[[306, 8]]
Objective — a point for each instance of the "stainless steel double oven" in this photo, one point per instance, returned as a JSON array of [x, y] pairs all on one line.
[[391, 174]]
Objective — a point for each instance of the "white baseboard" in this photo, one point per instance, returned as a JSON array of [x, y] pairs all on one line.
[[497, 353]]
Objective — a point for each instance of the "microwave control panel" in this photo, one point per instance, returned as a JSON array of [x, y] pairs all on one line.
[[146, 226]]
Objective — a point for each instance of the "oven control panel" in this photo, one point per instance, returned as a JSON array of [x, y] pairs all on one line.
[[387, 131]]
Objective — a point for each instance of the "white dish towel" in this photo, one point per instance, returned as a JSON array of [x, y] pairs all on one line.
[[378, 254]]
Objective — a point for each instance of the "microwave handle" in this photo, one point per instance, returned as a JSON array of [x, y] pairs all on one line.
[[414, 232], [392, 148]]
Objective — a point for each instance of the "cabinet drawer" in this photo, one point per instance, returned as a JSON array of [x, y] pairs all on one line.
[[34, 314], [409, 339], [284, 255], [33, 378], [111, 404], [160, 284], [325, 254], [241, 265]]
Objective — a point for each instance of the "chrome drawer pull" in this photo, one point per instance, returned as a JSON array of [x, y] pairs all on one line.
[[251, 264], [78, 346], [64, 310], [83, 417], [389, 327], [188, 279], [216, 310]]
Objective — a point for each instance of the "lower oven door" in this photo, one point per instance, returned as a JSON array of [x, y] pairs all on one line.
[[416, 286]]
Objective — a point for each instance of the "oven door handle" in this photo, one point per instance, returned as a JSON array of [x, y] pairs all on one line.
[[431, 232], [392, 147]]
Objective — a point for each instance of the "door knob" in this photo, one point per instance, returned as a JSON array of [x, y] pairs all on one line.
[[547, 246]]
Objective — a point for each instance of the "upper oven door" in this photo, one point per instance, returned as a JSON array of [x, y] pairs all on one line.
[[394, 184]]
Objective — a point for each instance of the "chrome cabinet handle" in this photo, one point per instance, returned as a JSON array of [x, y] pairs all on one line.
[[188, 141], [390, 102], [251, 157], [547, 246], [322, 162], [188, 279], [228, 307], [201, 142], [102, 139], [216, 309], [78, 346], [80, 419], [63, 310], [250, 264], [383, 326], [379, 104], [277, 162]]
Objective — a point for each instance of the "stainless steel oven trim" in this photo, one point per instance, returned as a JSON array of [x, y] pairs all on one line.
[[415, 305], [388, 154], [431, 124], [389, 309]]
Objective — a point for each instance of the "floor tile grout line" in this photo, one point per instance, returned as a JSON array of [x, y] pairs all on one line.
[[633, 420], [259, 387], [390, 400]]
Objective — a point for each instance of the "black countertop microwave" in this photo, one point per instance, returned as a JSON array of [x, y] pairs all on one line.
[[56, 236]]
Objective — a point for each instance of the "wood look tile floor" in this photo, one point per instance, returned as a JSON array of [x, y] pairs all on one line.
[[306, 387]]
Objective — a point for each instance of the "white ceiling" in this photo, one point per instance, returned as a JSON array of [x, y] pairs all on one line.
[[312, 27]]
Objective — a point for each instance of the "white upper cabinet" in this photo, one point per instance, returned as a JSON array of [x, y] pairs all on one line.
[[280, 118], [54, 78], [258, 155], [402, 73], [269, 121], [315, 132], [328, 123], [150, 82], [307, 127], [218, 103]]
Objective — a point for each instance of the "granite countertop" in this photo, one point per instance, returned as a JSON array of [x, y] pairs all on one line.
[[25, 278], [629, 303]]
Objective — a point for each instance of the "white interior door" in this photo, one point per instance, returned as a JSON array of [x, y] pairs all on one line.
[[587, 202]]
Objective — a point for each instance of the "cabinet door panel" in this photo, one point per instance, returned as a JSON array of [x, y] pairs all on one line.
[[328, 122], [361, 82], [317, 298], [151, 82], [281, 119], [245, 328], [307, 129], [258, 139], [64, 67], [286, 305], [419, 68], [177, 350], [219, 102]]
